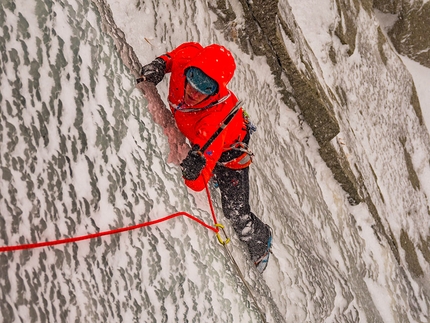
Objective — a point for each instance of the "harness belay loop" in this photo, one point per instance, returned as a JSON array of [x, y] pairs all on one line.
[[241, 161]]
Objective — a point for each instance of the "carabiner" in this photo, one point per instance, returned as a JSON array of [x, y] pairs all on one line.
[[223, 242]]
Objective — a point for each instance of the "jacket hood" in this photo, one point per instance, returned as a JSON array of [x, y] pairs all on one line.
[[218, 63]]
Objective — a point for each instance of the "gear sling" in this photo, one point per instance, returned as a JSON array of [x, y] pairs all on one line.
[[243, 160]]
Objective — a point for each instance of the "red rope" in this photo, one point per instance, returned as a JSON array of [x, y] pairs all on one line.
[[105, 233], [210, 203]]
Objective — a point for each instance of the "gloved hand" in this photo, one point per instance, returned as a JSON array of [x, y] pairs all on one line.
[[193, 164], [153, 72]]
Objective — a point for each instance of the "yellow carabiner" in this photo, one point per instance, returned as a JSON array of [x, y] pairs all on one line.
[[223, 242]]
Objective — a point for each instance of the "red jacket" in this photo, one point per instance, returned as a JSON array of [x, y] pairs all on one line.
[[199, 122]]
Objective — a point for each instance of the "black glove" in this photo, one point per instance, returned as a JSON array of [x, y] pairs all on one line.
[[193, 164], [154, 71]]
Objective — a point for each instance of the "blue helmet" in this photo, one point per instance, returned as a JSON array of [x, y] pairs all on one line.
[[200, 81]]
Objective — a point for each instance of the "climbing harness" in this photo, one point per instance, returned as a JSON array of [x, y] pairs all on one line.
[[240, 162], [245, 159]]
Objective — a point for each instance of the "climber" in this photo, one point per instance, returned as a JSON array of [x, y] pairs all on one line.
[[201, 102]]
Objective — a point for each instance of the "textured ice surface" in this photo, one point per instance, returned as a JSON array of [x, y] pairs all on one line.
[[80, 153]]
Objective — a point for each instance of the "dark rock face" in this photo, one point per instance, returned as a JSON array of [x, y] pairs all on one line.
[[267, 31], [410, 34], [264, 34]]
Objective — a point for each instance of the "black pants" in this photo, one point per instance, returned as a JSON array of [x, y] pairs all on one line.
[[234, 187]]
